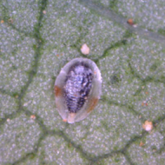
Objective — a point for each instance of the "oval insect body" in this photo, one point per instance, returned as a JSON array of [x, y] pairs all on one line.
[[77, 86], [77, 89]]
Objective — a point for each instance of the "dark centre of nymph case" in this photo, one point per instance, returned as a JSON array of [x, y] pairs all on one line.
[[78, 84]]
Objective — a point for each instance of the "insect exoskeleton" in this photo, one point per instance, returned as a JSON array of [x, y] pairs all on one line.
[[77, 89]]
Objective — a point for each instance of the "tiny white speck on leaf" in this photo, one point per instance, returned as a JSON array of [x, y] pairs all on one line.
[[148, 126], [85, 49]]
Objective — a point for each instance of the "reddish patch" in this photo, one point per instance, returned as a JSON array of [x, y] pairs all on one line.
[[93, 103], [144, 104], [75, 95], [57, 91], [130, 22], [65, 120], [33, 117], [58, 55], [141, 144], [95, 72]]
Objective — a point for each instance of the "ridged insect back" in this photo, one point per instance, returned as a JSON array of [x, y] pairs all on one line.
[[77, 86]]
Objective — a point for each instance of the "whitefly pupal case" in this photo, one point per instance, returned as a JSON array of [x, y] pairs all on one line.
[[77, 89]]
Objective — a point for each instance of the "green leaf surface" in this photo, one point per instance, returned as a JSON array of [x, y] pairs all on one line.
[[38, 37]]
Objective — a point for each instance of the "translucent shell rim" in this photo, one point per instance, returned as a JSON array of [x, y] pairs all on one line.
[[92, 98]]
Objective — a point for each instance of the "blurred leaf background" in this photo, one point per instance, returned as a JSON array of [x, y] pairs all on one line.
[[38, 37]]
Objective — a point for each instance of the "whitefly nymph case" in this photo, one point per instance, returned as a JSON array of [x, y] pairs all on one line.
[[77, 89]]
